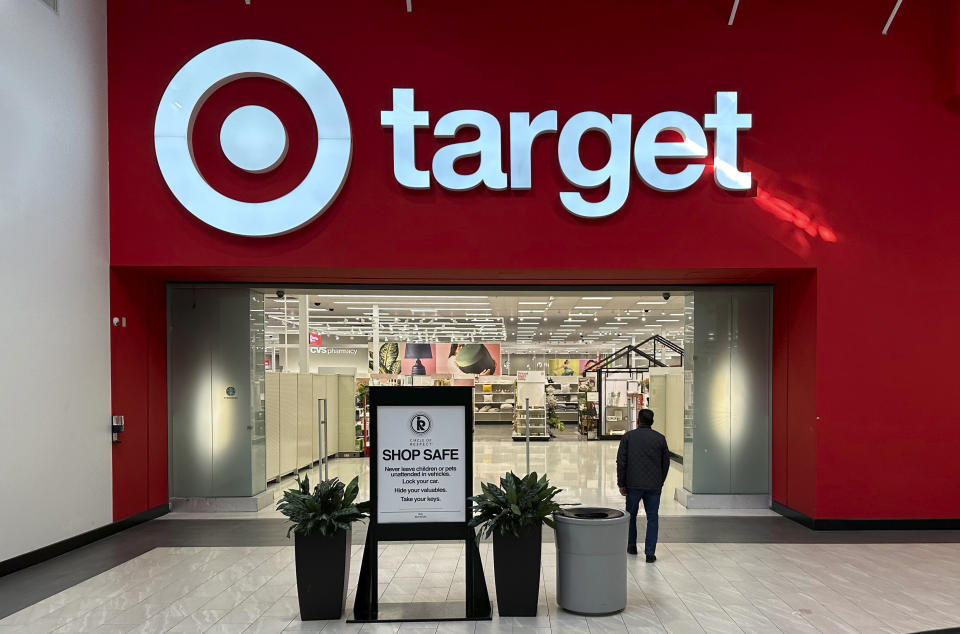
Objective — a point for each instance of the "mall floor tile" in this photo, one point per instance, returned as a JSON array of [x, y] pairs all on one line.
[[693, 587]]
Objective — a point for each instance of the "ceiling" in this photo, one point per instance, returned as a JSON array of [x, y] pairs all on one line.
[[528, 321]]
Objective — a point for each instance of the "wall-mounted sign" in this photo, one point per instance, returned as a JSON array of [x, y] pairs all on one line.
[[252, 137], [335, 352], [421, 470], [255, 140], [534, 376], [725, 122], [315, 339]]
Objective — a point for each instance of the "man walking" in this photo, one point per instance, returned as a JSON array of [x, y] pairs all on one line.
[[642, 465]]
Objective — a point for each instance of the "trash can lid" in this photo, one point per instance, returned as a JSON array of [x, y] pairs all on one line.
[[588, 513]]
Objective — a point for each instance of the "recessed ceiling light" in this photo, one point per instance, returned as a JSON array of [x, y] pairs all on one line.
[[650, 303], [531, 303]]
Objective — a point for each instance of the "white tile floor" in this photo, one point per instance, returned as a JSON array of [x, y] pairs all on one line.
[[692, 588], [586, 471]]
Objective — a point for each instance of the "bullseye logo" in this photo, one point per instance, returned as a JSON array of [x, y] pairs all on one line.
[[252, 137]]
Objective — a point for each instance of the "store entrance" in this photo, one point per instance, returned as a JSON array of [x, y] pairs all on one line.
[[568, 369]]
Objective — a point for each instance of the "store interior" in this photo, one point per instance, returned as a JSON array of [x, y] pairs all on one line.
[[566, 369], [530, 355], [553, 366]]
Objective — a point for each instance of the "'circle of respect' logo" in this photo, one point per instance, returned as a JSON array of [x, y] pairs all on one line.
[[252, 137], [420, 423]]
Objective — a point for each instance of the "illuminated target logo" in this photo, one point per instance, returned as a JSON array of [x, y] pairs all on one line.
[[252, 137]]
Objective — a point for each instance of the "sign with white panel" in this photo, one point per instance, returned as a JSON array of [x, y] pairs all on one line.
[[421, 468]]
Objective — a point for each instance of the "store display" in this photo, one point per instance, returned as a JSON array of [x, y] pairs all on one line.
[[532, 407], [475, 358], [622, 380], [389, 358], [491, 394], [418, 351]]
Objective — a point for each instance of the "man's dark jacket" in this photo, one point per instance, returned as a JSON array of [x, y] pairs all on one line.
[[642, 459]]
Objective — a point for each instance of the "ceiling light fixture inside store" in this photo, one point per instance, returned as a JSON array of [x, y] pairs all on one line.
[[419, 303], [408, 296]]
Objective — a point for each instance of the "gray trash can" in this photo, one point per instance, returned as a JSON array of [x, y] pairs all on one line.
[[591, 560]]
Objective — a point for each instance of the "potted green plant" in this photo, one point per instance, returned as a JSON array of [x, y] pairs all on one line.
[[552, 419], [322, 520], [513, 514]]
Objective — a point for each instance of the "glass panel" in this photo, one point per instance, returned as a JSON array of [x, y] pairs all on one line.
[[258, 394], [729, 441], [188, 362], [688, 403], [711, 394], [215, 397], [750, 404]]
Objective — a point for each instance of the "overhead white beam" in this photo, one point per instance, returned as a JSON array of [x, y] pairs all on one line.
[[733, 12], [893, 14], [409, 6]]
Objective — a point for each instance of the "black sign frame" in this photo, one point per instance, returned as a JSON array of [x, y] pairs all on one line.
[[366, 607]]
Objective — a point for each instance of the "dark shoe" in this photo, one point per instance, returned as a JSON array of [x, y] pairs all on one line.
[[651, 559], [632, 550]]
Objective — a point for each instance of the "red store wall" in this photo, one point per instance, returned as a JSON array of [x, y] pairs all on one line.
[[852, 148]]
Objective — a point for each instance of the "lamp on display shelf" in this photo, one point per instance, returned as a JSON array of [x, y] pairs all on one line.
[[418, 351]]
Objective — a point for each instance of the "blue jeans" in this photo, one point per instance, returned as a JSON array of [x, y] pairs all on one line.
[[651, 506]]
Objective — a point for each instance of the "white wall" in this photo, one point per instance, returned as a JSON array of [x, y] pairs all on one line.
[[55, 475]]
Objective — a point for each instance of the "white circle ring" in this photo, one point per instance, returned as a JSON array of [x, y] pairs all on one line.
[[210, 70]]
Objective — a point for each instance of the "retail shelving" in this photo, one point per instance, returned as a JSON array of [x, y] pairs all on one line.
[[538, 425], [490, 396], [362, 425], [568, 401], [531, 393]]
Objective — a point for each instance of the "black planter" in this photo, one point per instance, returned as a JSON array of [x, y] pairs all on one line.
[[323, 565], [516, 567]]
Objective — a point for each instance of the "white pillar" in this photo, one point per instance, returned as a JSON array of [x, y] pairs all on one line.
[[304, 324], [375, 324], [286, 340]]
